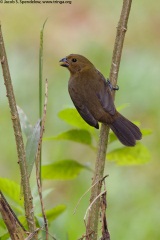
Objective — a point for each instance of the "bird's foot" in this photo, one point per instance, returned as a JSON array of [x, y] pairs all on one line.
[[111, 86]]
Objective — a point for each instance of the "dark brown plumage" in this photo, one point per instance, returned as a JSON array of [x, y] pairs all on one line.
[[92, 97]]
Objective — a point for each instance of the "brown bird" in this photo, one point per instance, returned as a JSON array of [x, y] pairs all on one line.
[[92, 97]]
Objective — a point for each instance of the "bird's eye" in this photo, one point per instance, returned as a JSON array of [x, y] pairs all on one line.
[[74, 60]]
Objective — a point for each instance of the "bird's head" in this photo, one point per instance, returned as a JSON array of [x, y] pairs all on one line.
[[75, 63]]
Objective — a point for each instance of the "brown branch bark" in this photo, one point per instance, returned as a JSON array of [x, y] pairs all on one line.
[[28, 203], [15, 228], [38, 158], [93, 217]]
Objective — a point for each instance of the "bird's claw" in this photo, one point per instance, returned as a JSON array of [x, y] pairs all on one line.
[[111, 86]]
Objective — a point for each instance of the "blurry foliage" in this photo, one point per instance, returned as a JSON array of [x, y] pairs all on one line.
[[77, 135], [88, 28], [65, 169], [62, 170], [12, 192], [124, 155]]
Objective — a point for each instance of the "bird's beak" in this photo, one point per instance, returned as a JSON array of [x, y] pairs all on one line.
[[64, 62]]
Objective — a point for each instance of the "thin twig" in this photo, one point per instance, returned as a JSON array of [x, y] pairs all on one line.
[[49, 234], [105, 232], [36, 231], [39, 185], [31, 235], [118, 45], [28, 203], [85, 236], [87, 192], [90, 206], [40, 85], [92, 223]]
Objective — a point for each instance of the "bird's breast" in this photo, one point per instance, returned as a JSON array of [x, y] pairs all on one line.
[[83, 90]]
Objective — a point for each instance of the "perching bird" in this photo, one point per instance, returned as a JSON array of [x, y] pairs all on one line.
[[92, 97]]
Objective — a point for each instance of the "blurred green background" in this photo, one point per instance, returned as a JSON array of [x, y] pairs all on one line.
[[87, 28]]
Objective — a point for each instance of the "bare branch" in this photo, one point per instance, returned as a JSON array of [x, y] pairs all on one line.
[[92, 223], [15, 228], [39, 185], [28, 204], [105, 232]]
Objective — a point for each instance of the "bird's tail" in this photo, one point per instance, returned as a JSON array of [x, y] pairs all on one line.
[[126, 131]]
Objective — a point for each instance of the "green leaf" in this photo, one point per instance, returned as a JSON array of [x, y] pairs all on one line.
[[76, 135], [26, 127], [146, 132], [72, 117], [23, 221], [11, 190], [53, 213], [5, 236], [2, 224], [64, 169], [32, 146], [130, 155], [39, 221]]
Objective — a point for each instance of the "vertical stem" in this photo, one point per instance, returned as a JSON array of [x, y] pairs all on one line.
[[39, 185], [40, 72], [28, 203], [39, 152], [93, 217], [40, 85], [118, 45]]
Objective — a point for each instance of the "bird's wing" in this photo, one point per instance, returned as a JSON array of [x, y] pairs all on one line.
[[87, 116], [82, 109], [105, 96]]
